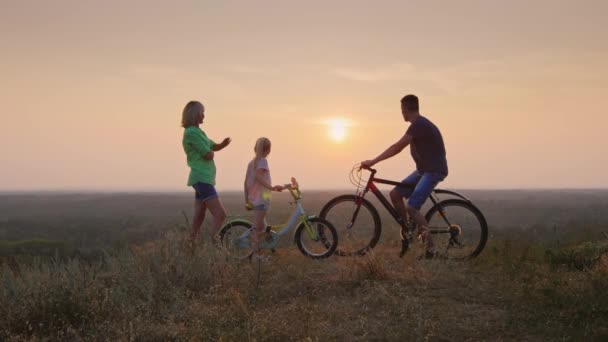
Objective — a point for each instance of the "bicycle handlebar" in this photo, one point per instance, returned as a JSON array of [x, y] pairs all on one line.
[[294, 189], [368, 169]]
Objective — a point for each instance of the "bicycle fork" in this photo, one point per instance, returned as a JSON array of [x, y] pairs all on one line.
[[312, 233]]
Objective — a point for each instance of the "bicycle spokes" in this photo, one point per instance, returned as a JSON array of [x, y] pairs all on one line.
[[321, 243], [356, 221], [462, 237], [242, 242], [236, 239]]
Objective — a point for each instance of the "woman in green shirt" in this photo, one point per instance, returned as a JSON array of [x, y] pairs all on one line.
[[200, 151]]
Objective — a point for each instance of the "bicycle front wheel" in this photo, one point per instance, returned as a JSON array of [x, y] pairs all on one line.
[[459, 230], [235, 238], [357, 223], [318, 239]]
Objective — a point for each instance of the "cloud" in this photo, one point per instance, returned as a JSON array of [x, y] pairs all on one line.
[[524, 70], [398, 72], [375, 74], [157, 71], [248, 69]]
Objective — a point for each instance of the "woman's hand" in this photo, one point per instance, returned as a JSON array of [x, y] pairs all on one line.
[[221, 145], [225, 142]]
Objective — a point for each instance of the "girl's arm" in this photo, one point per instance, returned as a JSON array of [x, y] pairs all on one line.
[[259, 177], [209, 155]]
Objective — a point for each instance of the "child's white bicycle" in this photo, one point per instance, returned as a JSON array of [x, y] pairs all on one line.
[[315, 237]]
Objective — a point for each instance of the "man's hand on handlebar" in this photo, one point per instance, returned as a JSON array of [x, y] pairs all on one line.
[[367, 164]]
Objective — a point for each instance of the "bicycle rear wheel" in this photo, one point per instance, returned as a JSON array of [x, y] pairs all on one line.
[[356, 221], [235, 238], [459, 229]]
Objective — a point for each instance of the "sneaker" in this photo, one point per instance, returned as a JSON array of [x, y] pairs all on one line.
[[421, 234]]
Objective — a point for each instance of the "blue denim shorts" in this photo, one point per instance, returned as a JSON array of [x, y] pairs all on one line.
[[261, 207], [204, 191], [422, 184]]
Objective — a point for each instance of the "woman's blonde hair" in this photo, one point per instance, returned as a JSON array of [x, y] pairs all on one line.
[[261, 149], [191, 114]]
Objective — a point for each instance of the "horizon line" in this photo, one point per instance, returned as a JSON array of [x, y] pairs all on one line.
[[188, 190]]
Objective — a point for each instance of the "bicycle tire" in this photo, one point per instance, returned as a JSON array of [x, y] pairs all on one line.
[[316, 222], [369, 242], [483, 225], [229, 242]]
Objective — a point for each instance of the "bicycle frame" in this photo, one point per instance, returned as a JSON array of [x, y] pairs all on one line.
[[371, 186], [298, 216]]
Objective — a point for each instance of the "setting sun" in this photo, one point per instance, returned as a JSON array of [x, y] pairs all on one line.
[[337, 129]]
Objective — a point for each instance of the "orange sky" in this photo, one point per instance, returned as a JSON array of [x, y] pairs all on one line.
[[91, 93]]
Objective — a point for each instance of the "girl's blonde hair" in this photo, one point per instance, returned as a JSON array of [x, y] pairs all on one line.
[[191, 114], [261, 149]]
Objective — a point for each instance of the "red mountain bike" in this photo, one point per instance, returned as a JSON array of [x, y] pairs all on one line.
[[459, 228]]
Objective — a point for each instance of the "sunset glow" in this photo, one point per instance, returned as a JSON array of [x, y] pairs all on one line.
[[92, 93], [337, 129]]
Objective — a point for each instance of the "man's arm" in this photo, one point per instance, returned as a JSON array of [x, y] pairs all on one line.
[[389, 152]]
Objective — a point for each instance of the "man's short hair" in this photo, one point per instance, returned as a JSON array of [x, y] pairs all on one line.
[[410, 102]]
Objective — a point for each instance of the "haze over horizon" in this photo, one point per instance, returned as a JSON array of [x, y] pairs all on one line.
[[91, 93]]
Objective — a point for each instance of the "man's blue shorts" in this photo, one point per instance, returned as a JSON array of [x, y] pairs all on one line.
[[422, 184], [204, 191]]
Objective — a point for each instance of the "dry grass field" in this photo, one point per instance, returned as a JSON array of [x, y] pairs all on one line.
[[116, 267]]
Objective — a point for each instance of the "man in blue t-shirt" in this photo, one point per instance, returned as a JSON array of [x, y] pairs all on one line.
[[428, 151]]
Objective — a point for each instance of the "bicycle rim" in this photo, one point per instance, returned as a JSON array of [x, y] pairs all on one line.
[[236, 240], [358, 236], [319, 245], [466, 234]]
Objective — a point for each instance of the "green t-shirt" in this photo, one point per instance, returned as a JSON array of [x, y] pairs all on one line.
[[197, 145]]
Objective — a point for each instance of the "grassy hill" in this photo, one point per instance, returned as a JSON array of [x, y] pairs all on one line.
[[543, 276], [165, 290]]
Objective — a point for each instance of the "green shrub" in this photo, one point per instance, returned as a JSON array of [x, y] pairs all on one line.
[[579, 257]]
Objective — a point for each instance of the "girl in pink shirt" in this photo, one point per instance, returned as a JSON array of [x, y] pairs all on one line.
[[258, 187]]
